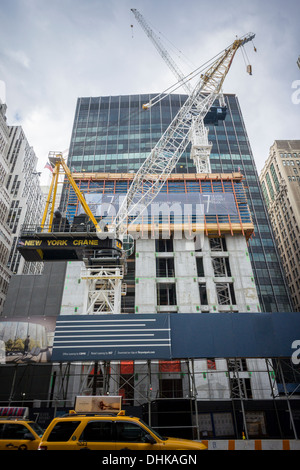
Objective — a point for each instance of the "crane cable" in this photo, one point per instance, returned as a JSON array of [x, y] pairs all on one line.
[[188, 77]]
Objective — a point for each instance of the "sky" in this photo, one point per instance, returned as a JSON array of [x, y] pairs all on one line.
[[52, 52]]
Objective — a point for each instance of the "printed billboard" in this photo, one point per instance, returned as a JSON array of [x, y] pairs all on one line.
[[26, 340]]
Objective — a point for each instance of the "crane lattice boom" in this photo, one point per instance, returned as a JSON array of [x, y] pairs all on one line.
[[162, 50], [163, 158]]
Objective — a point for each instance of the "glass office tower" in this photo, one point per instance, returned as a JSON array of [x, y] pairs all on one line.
[[113, 134]]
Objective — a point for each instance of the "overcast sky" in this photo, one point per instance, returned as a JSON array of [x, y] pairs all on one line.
[[52, 52]]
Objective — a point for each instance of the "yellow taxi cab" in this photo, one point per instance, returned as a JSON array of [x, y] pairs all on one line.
[[17, 432], [109, 432], [98, 423]]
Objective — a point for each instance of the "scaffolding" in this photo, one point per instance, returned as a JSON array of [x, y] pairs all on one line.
[[158, 391], [201, 183]]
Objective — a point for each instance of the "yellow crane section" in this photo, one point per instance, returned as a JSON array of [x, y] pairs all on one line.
[[56, 161]]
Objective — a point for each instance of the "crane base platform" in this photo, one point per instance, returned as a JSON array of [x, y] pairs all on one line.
[[39, 246]]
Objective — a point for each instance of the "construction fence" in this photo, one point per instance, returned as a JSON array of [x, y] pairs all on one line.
[[208, 399]]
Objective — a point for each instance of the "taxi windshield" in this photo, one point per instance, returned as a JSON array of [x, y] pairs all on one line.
[[154, 432], [37, 428]]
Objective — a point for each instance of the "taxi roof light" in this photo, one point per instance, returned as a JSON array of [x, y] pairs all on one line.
[[14, 412]]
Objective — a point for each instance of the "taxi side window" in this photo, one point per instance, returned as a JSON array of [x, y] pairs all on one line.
[[62, 431], [130, 432], [14, 431], [1, 429], [98, 431]]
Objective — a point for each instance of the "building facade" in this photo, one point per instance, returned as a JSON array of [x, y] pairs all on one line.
[[114, 134], [5, 233], [280, 180], [27, 200]]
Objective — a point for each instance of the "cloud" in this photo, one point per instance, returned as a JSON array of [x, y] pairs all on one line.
[[19, 57], [2, 91], [54, 52]]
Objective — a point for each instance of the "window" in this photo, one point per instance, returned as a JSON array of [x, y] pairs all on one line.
[[225, 293], [164, 245], [275, 177], [36, 427], [237, 365], [130, 432], [221, 267], [217, 244], [165, 267], [200, 268], [166, 294], [270, 186], [203, 294], [63, 430], [170, 388], [265, 193], [97, 431], [240, 388], [14, 431]]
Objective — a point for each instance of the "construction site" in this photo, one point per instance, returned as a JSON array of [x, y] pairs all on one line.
[[149, 293]]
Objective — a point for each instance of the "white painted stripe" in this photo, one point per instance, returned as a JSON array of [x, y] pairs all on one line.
[[101, 336], [104, 331], [105, 340], [103, 321], [116, 346], [98, 326]]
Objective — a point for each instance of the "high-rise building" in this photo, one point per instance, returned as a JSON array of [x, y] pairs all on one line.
[[27, 199], [114, 134], [280, 180], [111, 138], [234, 269], [5, 234]]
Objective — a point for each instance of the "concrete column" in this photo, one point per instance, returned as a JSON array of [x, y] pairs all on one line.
[[242, 274], [74, 293], [209, 275], [187, 288], [145, 273]]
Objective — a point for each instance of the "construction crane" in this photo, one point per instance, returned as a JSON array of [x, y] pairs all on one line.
[[187, 125], [162, 50], [200, 145], [183, 80], [99, 244], [155, 170]]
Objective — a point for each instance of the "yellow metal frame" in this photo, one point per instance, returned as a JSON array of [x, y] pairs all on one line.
[[57, 160]]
